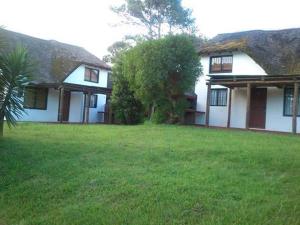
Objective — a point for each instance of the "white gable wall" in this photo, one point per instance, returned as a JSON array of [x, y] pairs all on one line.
[[77, 77]]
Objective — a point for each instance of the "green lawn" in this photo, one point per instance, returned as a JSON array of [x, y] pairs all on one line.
[[147, 174]]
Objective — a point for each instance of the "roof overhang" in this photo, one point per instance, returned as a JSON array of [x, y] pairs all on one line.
[[85, 88], [232, 81], [75, 87]]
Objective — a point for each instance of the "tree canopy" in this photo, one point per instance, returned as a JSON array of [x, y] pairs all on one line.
[[159, 17], [159, 72]]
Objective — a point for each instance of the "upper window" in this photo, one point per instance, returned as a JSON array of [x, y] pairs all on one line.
[[35, 98], [218, 97], [288, 102], [93, 101], [220, 64], [91, 75]]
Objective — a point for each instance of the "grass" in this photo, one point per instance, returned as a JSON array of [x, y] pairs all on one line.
[[98, 174]]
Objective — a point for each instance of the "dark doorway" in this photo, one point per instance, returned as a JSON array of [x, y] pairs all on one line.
[[258, 108], [66, 106]]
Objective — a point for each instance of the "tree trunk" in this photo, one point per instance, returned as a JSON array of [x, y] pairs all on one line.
[[159, 30], [1, 127], [170, 29], [152, 110]]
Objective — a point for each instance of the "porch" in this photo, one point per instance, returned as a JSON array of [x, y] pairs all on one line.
[[65, 91], [255, 101]]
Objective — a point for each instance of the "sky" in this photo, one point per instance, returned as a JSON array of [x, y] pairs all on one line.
[[92, 25]]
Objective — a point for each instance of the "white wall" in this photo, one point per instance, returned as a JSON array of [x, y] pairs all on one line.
[[48, 115], [94, 116], [77, 107], [77, 77], [238, 108], [275, 120], [274, 115]]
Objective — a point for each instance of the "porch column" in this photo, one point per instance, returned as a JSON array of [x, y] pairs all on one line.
[[110, 119], [61, 104], [295, 107], [207, 105], [84, 106], [248, 103], [229, 108], [88, 107]]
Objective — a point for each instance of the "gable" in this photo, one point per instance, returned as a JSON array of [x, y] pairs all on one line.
[[242, 64], [277, 52], [77, 77]]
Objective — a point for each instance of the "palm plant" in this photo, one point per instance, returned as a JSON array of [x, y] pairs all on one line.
[[14, 75]]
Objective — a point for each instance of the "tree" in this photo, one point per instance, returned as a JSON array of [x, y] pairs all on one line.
[[127, 109], [160, 72], [115, 49], [121, 46], [14, 75], [159, 17]]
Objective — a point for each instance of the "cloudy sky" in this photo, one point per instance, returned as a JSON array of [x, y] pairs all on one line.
[[91, 24]]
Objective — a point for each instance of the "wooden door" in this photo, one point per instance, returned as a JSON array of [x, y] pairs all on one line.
[[258, 104], [66, 106]]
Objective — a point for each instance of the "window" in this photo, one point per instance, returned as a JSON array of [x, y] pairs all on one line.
[[218, 97], [91, 75], [93, 101], [220, 64], [288, 102], [35, 98]]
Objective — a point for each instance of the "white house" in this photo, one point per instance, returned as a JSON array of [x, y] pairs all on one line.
[[69, 84], [249, 81]]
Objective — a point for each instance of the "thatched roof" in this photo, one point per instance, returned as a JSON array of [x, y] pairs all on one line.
[[53, 61], [277, 52]]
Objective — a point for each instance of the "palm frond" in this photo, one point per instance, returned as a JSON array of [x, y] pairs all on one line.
[[15, 69]]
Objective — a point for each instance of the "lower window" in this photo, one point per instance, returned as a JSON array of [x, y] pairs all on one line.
[[288, 102], [35, 98], [93, 101], [218, 97]]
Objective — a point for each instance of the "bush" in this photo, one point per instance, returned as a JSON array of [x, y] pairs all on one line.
[[127, 109]]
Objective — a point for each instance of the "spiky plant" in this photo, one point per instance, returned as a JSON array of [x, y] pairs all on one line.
[[15, 68]]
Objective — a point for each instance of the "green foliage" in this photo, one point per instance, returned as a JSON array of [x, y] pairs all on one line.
[[2, 39], [158, 17], [127, 109], [14, 75], [119, 47], [115, 49], [160, 72], [147, 175]]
